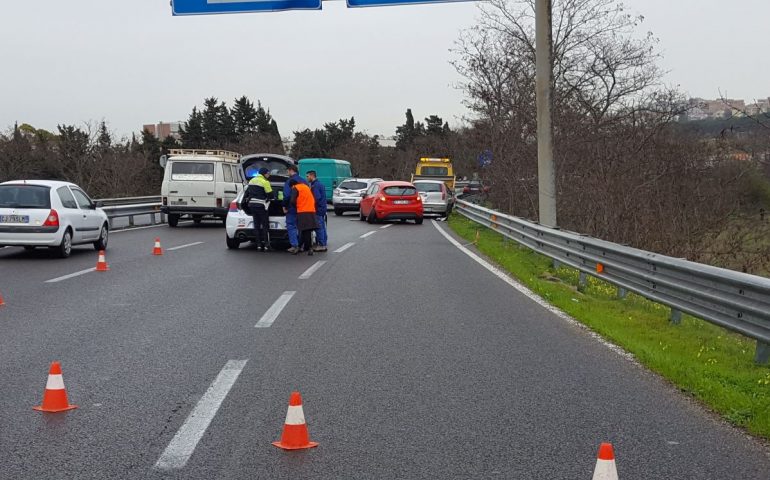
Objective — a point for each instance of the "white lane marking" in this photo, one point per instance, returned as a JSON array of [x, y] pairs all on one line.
[[189, 434], [71, 275], [272, 313], [312, 269], [184, 246], [131, 229], [533, 296], [344, 247], [386, 226], [367, 234]]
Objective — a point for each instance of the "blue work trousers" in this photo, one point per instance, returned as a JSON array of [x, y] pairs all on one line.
[[320, 234], [291, 228]]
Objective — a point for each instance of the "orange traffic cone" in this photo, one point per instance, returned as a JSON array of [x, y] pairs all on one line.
[[101, 264], [157, 250], [295, 435], [55, 396], [2, 302], [605, 464]]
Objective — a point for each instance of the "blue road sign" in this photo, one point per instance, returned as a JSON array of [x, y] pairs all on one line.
[[384, 3], [210, 7]]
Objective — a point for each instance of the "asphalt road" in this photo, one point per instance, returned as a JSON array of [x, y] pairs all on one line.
[[412, 359]]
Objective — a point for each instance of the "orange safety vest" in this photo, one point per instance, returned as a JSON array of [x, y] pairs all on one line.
[[305, 199]]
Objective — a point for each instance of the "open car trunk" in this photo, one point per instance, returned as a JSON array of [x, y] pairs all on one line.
[[278, 166]]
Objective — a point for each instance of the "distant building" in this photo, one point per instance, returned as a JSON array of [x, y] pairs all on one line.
[[164, 129], [703, 109]]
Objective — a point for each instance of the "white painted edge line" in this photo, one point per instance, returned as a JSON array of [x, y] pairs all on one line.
[[272, 313], [312, 269], [533, 296], [71, 275], [344, 247], [184, 246], [386, 226], [368, 233], [131, 229], [189, 434]]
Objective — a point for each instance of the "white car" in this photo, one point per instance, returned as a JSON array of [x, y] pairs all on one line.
[[437, 199], [347, 196], [239, 226], [53, 214]]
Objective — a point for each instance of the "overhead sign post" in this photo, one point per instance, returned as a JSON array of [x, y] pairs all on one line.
[[210, 7]]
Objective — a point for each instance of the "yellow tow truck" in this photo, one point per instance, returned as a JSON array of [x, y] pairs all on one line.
[[435, 169]]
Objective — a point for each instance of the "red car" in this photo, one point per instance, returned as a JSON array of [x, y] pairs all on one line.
[[391, 201]]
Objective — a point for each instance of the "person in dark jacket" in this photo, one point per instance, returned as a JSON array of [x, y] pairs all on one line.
[[319, 193], [256, 202], [301, 199], [291, 212]]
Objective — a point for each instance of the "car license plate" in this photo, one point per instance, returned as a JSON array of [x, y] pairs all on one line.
[[349, 200], [14, 218], [274, 225], [401, 202], [178, 202]]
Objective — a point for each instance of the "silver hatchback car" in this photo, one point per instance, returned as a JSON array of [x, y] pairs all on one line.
[[437, 199], [347, 196]]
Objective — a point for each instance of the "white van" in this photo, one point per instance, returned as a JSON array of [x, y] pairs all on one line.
[[199, 184]]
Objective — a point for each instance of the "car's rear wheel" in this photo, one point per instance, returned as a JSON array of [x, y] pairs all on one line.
[[418, 220], [197, 219], [64, 249], [232, 243], [173, 220], [338, 212], [361, 216], [372, 217], [101, 244]]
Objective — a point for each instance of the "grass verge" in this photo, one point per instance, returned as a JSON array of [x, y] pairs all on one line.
[[705, 361]]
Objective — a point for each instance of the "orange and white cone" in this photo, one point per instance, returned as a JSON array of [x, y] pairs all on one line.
[[295, 435], [605, 464], [101, 263], [2, 302], [157, 250], [55, 396]]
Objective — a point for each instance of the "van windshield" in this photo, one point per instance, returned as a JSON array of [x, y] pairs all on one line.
[[437, 171], [195, 171]]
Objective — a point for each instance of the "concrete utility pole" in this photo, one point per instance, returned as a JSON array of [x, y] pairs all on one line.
[[546, 173]]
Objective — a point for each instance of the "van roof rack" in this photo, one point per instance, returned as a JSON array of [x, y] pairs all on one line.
[[227, 155]]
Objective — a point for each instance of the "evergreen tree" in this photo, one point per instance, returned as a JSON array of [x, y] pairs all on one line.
[[104, 139], [192, 131], [434, 125], [227, 134], [406, 133], [244, 116], [210, 121]]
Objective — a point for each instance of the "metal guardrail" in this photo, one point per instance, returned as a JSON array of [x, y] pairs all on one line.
[[131, 207], [736, 301]]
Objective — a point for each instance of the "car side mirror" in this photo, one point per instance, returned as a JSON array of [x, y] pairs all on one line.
[[97, 204]]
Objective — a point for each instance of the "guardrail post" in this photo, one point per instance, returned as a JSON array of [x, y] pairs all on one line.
[[582, 281], [130, 220], [162, 217], [556, 264], [152, 219], [622, 292], [763, 353], [676, 316], [110, 220]]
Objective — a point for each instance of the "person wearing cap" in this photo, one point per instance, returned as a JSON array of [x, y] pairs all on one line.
[[256, 202], [291, 210]]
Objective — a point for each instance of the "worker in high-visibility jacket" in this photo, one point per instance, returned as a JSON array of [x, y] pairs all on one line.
[[256, 202], [303, 201]]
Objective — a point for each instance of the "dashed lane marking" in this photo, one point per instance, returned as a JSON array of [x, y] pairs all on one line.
[[189, 434], [272, 313], [184, 246], [312, 270], [386, 226], [367, 234], [344, 247], [71, 275]]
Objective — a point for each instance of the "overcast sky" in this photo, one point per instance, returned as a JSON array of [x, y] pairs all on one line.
[[131, 62]]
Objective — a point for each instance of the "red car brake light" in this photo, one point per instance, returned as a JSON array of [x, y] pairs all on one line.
[[52, 220], [233, 206]]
